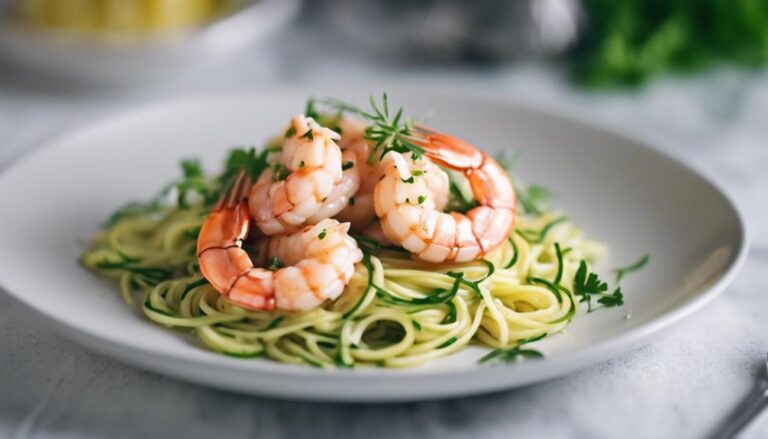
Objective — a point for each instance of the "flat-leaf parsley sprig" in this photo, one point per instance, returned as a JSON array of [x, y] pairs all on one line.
[[587, 286]]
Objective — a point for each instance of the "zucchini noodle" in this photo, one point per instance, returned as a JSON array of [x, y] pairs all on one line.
[[395, 312]]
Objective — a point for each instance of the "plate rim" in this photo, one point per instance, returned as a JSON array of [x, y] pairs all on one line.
[[568, 362]]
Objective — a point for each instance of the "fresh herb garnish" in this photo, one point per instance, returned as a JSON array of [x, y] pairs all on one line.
[[508, 163], [347, 165], [458, 201], [447, 343], [134, 209], [407, 180], [281, 172], [534, 199], [274, 323], [193, 181], [559, 255], [322, 234], [620, 272], [248, 160], [275, 264], [588, 285], [537, 237], [557, 290], [368, 245], [514, 353], [310, 109], [474, 285], [451, 316], [422, 199], [387, 132], [368, 291], [309, 135], [440, 295], [611, 300], [290, 132], [512, 261], [152, 275], [191, 286]]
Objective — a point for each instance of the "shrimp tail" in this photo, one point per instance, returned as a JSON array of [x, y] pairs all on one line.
[[222, 260], [228, 223]]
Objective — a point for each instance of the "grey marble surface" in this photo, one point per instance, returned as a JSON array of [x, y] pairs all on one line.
[[682, 385]]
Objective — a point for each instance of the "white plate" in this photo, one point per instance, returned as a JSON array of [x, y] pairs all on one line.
[[633, 197]]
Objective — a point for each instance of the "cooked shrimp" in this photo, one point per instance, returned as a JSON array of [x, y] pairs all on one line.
[[361, 212], [342, 192], [407, 209], [319, 259], [313, 163]]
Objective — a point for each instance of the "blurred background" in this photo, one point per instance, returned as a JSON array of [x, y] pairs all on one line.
[[615, 59], [687, 74], [596, 43]]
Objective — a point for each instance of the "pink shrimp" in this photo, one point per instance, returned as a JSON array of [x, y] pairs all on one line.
[[321, 259], [408, 213]]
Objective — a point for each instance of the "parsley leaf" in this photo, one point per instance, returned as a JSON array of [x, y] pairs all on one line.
[[193, 181], [615, 299], [246, 159], [588, 285]]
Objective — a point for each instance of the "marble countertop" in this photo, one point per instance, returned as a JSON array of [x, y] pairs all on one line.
[[682, 385]]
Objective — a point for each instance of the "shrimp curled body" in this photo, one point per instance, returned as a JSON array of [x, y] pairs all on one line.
[[315, 187], [409, 215], [320, 258], [361, 212]]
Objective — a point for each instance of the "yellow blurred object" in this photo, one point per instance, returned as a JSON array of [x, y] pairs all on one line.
[[117, 15]]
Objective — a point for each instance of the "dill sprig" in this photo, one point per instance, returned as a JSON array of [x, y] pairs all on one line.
[[389, 131]]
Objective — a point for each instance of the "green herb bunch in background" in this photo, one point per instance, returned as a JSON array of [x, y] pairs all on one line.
[[629, 41]]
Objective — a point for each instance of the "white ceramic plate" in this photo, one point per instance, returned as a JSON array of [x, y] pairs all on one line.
[[633, 197]]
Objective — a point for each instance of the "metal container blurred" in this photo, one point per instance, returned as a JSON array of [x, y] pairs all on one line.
[[481, 30]]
